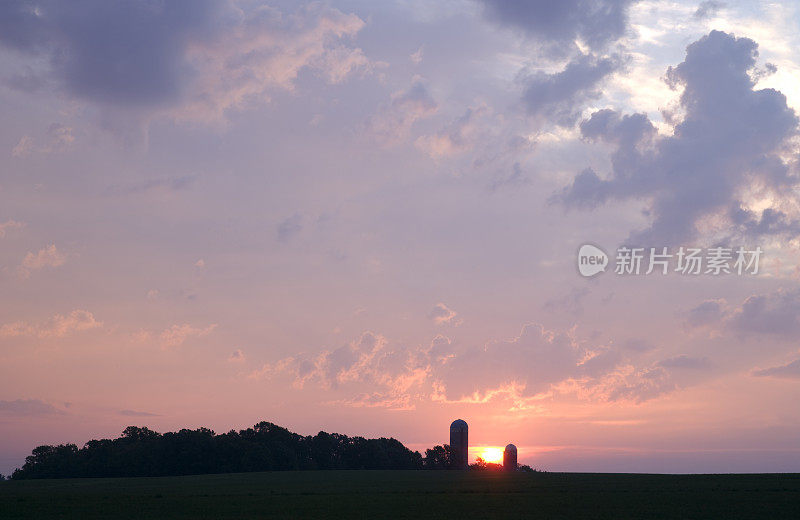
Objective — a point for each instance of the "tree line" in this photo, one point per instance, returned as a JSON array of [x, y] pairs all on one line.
[[141, 452]]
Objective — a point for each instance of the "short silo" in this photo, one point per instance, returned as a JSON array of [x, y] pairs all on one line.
[[510, 458]]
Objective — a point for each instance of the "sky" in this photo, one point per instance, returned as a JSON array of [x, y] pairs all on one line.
[[365, 217]]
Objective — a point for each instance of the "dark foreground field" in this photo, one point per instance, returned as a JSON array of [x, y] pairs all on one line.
[[407, 494]]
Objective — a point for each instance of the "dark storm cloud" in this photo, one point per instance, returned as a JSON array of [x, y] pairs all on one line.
[[559, 96], [557, 25], [118, 52], [728, 142]]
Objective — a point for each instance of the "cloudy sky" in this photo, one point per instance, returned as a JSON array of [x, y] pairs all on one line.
[[363, 217]]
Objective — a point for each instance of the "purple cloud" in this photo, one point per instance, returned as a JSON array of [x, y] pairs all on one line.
[[559, 24], [558, 97], [731, 137], [187, 59], [790, 370], [28, 407], [134, 413]]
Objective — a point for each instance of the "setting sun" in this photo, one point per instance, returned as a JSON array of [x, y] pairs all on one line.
[[492, 454]]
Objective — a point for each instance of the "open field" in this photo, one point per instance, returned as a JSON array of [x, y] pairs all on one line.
[[407, 494]]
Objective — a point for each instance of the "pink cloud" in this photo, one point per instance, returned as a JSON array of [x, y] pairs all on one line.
[[8, 225], [176, 335], [441, 313], [392, 123], [59, 138], [49, 256], [264, 52], [58, 326]]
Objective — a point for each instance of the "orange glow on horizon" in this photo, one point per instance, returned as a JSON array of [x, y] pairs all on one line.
[[492, 454]]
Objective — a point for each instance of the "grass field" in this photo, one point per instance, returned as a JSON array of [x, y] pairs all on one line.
[[407, 494]]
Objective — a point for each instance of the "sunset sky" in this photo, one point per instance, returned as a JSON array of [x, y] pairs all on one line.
[[363, 217]]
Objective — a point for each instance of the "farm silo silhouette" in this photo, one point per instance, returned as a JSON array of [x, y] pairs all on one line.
[[510, 458], [459, 444]]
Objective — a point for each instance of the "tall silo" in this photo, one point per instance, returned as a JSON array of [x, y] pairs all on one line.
[[510, 458], [459, 443]]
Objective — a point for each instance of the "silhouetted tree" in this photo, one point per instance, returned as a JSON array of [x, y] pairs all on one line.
[[438, 457], [482, 465], [266, 446]]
